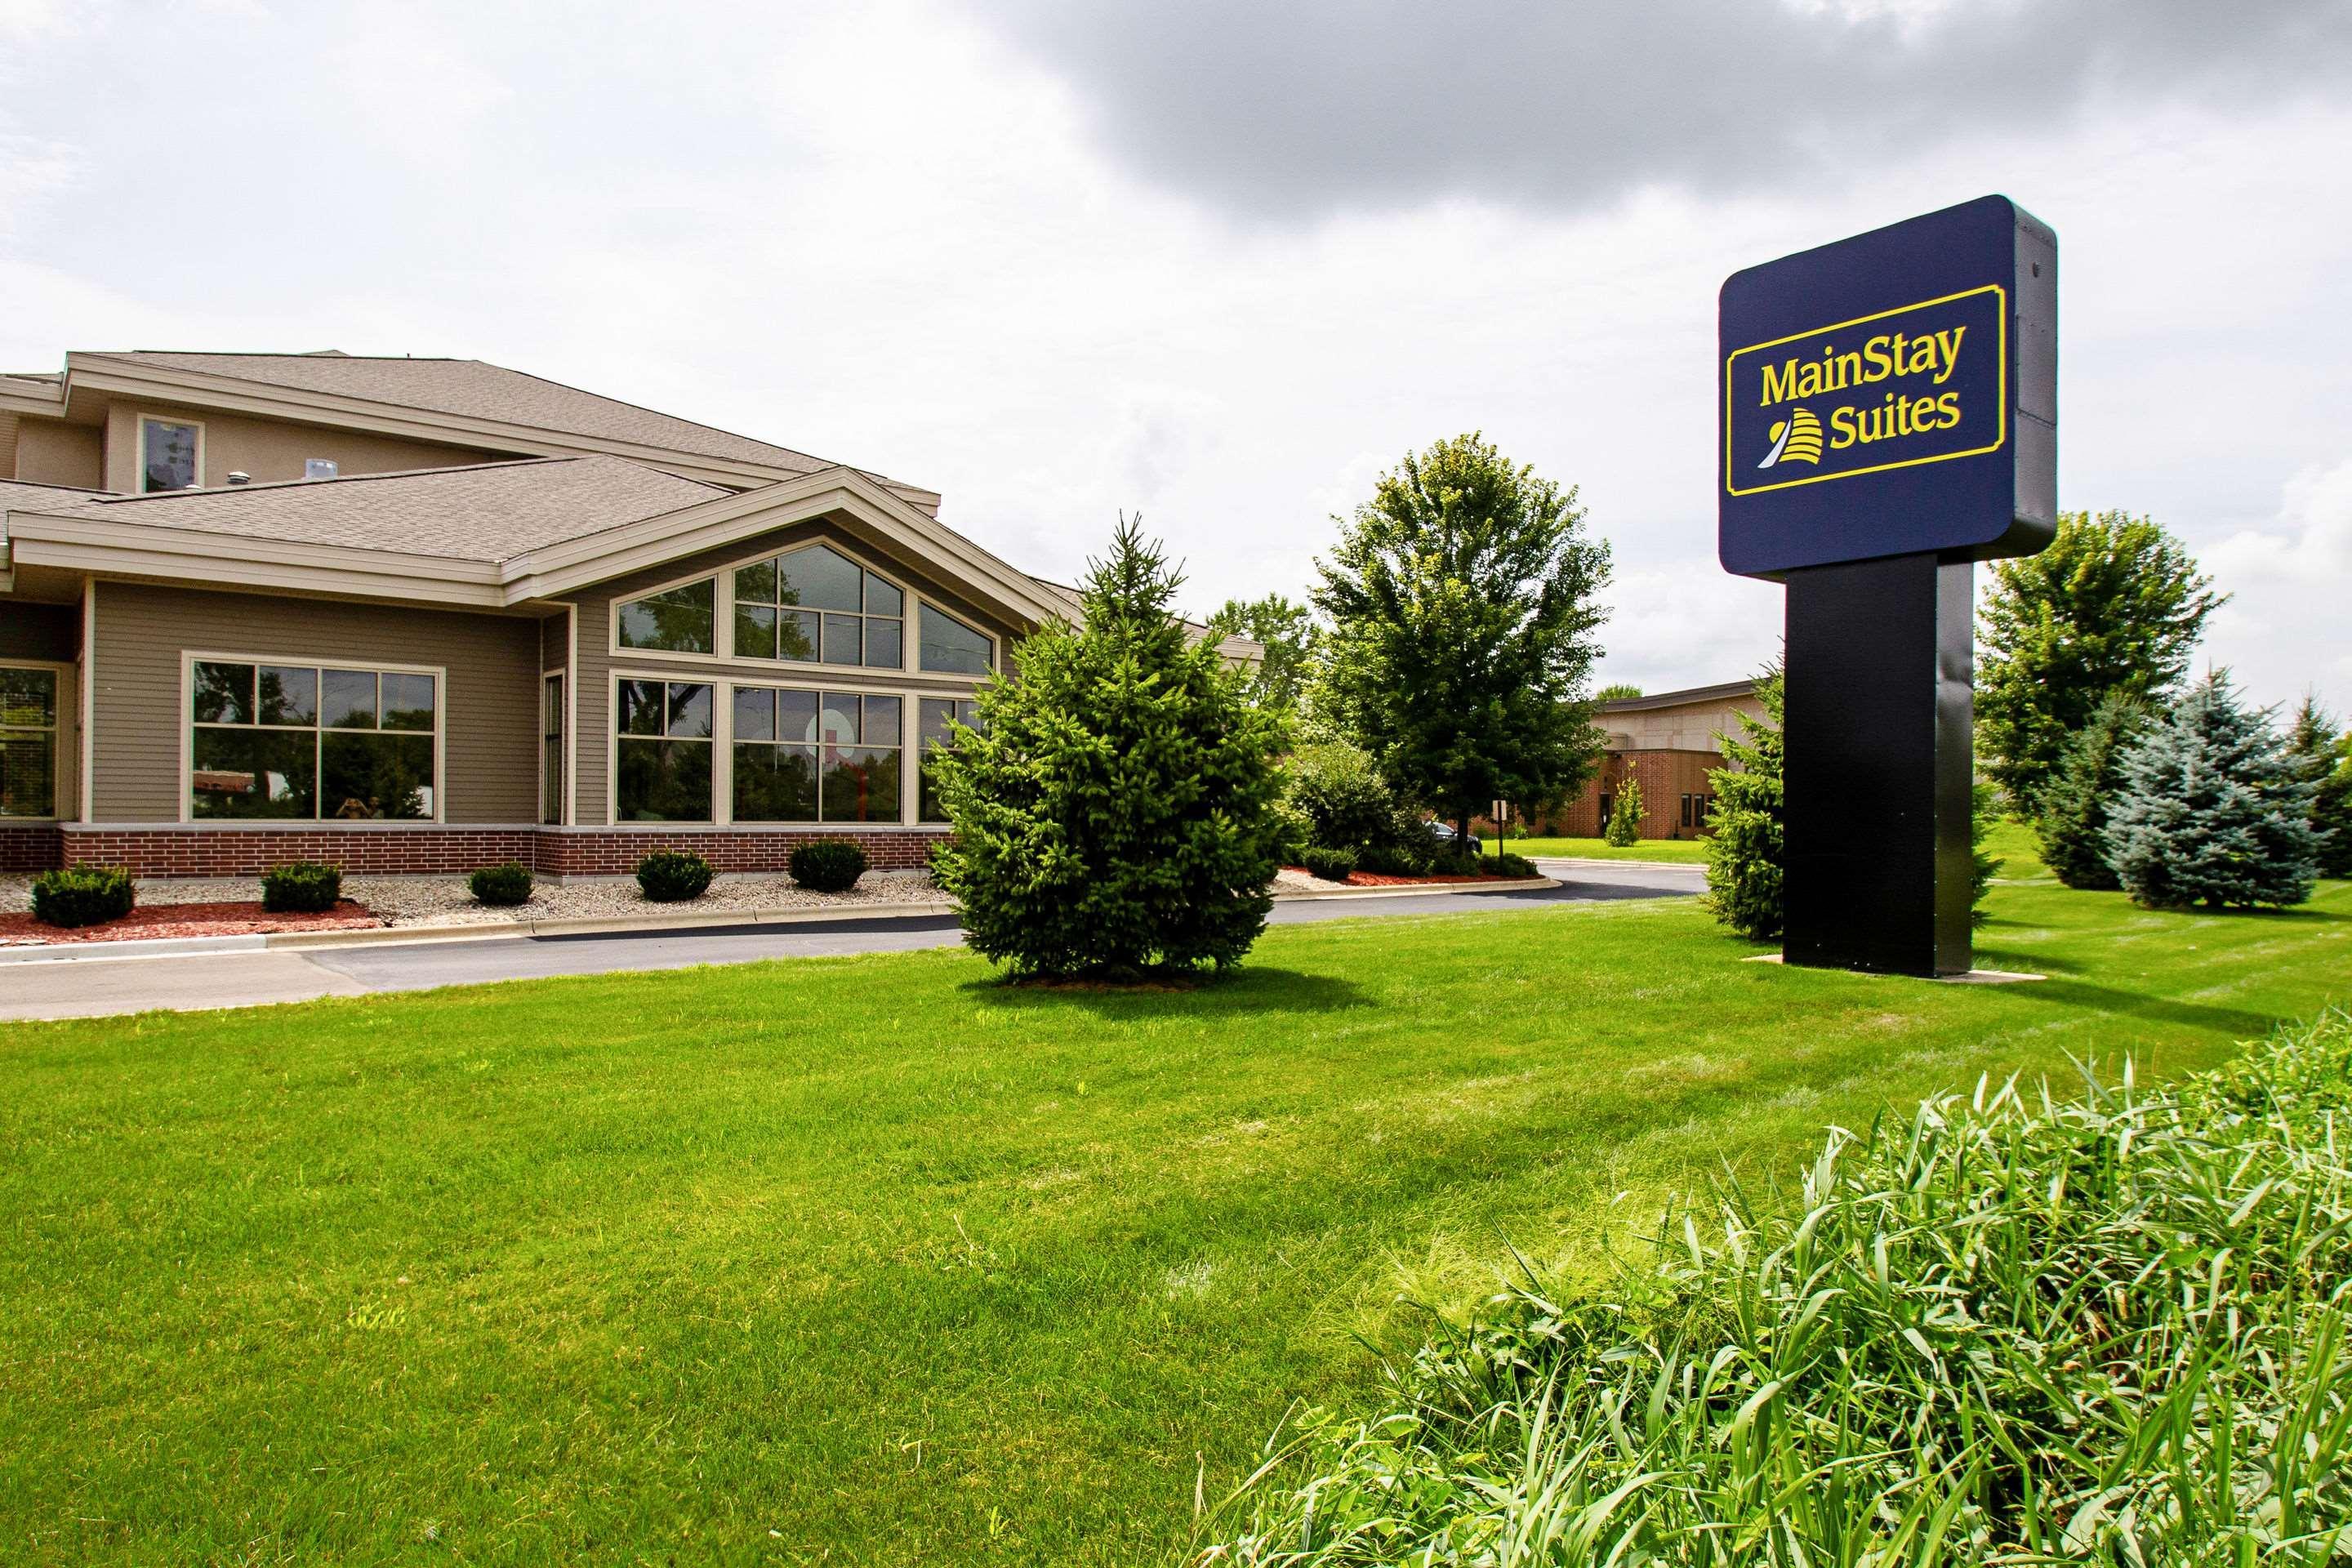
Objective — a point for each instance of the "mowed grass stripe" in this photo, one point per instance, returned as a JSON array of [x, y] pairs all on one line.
[[896, 1263]]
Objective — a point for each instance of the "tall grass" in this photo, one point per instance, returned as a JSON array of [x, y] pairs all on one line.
[[2109, 1327]]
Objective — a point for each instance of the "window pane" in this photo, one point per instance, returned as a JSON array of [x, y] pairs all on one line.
[[289, 694], [755, 631], [171, 455], [968, 713], [662, 781], [551, 743], [840, 639], [755, 713], [224, 694], [952, 647], [756, 584], [28, 774], [689, 711], [408, 702], [365, 777], [886, 644], [348, 700], [840, 719], [775, 784], [796, 717], [881, 724], [29, 698], [822, 579], [930, 807], [932, 714], [797, 634], [680, 620], [861, 784], [641, 708], [253, 772], [882, 599]]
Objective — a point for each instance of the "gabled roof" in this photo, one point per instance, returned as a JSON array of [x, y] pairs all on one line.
[[485, 512]]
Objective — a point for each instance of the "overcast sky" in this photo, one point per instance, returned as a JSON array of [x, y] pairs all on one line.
[[1225, 261]]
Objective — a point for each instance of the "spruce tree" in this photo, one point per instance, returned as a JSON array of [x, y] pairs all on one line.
[[2323, 758], [1117, 809], [1746, 854], [1984, 816], [2074, 821], [2211, 811], [1624, 827]]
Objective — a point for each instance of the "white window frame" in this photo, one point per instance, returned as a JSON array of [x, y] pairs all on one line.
[[723, 612], [65, 744], [915, 774], [191, 658], [722, 734], [146, 418]]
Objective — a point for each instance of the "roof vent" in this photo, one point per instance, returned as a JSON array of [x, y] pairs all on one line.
[[318, 467], [239, 477]]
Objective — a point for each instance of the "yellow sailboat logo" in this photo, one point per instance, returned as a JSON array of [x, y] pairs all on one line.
[[1796, 439]]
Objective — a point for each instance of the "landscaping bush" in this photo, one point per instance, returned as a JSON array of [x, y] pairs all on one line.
[[673, 876], [1624, 828], [1399, 856], [2211, 811], [82, 896], [2074, 821], [1504, 863], [2109, 1327], [1339, 792], [302, 887], [1117, 810], [506, 884], [1331, 865], [1746, 852], [828, 866]]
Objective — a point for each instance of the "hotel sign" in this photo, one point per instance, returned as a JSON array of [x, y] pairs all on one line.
[[1892, 394]]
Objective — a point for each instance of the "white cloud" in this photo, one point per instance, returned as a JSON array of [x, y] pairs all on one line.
[[2286, 628]]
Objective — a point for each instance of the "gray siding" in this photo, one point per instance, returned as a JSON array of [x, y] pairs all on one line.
[[489, 760], [595, 688]]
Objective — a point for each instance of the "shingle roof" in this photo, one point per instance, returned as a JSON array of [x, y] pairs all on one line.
[[473, 389], [489, 511], [21, 495]]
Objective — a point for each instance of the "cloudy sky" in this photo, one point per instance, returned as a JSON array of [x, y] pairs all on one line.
[[1224, 261]]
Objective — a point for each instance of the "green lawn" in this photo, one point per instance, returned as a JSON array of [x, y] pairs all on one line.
[[1689, 851], [872, 1261]]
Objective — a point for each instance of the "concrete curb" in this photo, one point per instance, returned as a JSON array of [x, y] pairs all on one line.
[[1642, 865], [143, 947], [588, 925]]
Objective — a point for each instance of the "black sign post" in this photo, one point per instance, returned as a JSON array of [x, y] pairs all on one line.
[[1889, 417]]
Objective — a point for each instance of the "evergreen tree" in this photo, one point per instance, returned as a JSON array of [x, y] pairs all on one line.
[[2115, 604], [2322, 758], [2074, 821], [1117, 809], [1617, 691], [1286, 629], [1745, 853], [1984, 816], [1625, 816], [1461, 607], [2211, 811]]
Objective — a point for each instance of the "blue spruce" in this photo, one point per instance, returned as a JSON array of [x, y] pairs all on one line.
[[2212, 810]]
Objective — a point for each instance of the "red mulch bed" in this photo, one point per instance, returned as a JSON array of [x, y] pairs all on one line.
[[157, 921], [1375, 879]]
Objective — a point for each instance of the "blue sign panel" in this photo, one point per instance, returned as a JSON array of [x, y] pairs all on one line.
[[1894, 393]]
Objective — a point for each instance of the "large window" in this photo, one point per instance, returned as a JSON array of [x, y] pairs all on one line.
[[29, 742], [806, 756], [933, 714], [952, 647], [663, 756], [318, 742], [676, 620], [816, 605], [167, 455], [551, 749]]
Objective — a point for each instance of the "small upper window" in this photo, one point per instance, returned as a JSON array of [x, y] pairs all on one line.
[[952, 647], [167, 455], [676, 620]]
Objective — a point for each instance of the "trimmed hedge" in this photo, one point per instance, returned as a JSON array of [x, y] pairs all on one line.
[[502, 886], [673, 876], [1331, 865], [302, 887], [828, 866], [82, 896]]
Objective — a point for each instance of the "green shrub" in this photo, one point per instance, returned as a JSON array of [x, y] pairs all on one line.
[[302, 887], [1624, 828], [1505, 864], [1400, 857], [1331, 865], [1117, 811], [2072, 824], [82, 896], [1744, 854], [1346, 803], [673, 876], [2106, 1328], [828, 866], [506, 884]]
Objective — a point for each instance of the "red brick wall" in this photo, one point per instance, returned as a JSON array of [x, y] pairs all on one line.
[[577, 852], [29, 846], [1664, 777]]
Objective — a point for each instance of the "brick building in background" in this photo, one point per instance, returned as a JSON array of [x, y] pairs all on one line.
[[1668, 742]]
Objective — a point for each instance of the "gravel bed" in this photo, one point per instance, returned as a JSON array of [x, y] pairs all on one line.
[[444, 900]]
